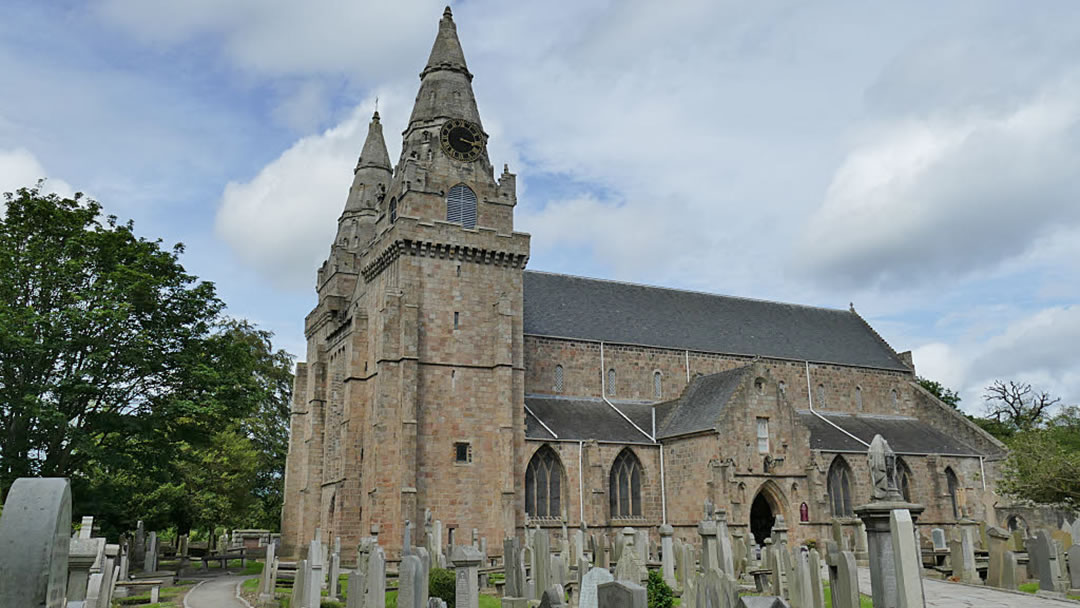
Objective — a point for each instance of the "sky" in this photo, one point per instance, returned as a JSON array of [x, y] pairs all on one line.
[[916, 159]]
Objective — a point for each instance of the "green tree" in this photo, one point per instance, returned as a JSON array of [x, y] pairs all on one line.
[[946, 395], [660, 594], [96, 328], [1041, 470]]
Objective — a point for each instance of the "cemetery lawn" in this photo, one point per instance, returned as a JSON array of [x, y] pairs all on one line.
[[170, 597], [865, 601], [1033, 587]]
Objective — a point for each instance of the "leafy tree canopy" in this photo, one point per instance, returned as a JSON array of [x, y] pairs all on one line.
[[946, 395]]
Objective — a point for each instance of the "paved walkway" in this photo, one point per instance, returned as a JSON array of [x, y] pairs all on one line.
[[940, 594], [218, 592]]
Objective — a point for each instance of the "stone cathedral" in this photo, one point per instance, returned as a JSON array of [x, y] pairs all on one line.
[[442, 375]]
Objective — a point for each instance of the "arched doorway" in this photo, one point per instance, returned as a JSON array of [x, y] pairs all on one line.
[[762, 518]]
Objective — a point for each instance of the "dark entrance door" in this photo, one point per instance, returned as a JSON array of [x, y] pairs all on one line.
[[762, 519]]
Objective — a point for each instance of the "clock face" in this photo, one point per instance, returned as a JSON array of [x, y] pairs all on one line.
[[462, 140]]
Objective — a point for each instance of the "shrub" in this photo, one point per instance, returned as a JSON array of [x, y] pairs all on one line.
[[660, 595], [443, 585]]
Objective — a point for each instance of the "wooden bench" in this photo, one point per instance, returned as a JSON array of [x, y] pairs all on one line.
[[155, 587], [223, 559]]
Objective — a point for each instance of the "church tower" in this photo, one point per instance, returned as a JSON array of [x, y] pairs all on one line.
[[412, 396]]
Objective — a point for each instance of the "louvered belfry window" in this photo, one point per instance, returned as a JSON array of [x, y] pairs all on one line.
[[461, 206]]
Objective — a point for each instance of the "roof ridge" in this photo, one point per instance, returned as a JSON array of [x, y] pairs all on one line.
[[693, 291]]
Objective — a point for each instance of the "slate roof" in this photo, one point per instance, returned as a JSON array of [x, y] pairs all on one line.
[[905, 435], [584, 418], [565, 306], [700, 404]]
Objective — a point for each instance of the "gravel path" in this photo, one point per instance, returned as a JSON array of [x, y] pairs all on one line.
[[941, 594], [217, 593]]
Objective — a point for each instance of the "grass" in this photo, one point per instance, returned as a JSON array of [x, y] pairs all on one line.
[[169, 597], [865, 601], [1032, 587], [253, 567]]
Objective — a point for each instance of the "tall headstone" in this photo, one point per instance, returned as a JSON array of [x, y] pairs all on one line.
[[514, 585], [817, 587], [843, 579], [1074, 566], [937, 536], [151, 557], [1043, 554], [558, 570], [667, 555], [139, 549], [34, 543], [466, 560], [724, 554], [267, 580], [778, 563], [410, 583], [334, 576], [906, 560], [801, 594], [1008, 571], [355, 597], [298, 597], [541, 566], [406, 542], [313, 577], [997, 541], [375, 580], [622, 594], [707, 531]]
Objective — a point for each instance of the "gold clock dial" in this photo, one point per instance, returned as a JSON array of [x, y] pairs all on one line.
[[462, 140]]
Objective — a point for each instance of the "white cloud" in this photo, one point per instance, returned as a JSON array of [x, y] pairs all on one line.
[[20, 168]]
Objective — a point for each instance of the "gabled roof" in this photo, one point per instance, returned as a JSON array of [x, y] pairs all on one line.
[[905, 435], [584, 418], [700, 405], [565, 306]]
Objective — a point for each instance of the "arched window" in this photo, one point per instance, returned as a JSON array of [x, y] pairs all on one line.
[[894, 399], [625, 486], [543, 484], [393, 210], [858, 398], [839, 486], [611, 382], [558, 379], [903, 478], [657, 384], [821, 395], [782, 386], [461, 206], [953, 484]]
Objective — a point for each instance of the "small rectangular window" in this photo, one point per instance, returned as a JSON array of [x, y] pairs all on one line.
[[462, 452], [763, 435], [457, 320]]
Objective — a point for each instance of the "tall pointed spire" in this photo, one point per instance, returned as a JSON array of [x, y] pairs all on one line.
[[445, 84], [446, 53], [372, 174]]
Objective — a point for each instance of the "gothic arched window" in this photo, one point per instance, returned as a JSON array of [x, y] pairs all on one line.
[[543, 484], [461, 206], [558, 379], [611, 382], [657, 384], [858, 398], [903, 478], [624, 489], [821, 395], [839, 487], [393, 210], [894, 397], [953, 484]]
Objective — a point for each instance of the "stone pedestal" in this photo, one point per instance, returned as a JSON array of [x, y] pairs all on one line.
[[667, 554], [875, 516]]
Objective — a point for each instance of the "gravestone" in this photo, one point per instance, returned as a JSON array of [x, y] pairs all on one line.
[[627, 569], [1008, 571], [843, 578], [817, 587], [800, 580], [622, 594], [738, 548], [707, 532], [553, 597], [641, 544], [1074, 566], [406, 542], [587, 597], [1043, 554], [761, 601], [298, 595], [541, 566], [779, 559], [334, 577], [997, 541], [667, 555], [150, 559], [85, 557], [139, 550], [466, 560], [906, 560], [514, 585], [313, 582], [558, 571], [724, 555], [603, 557], [355, 597], [410, 581], [937, 536], [266, 581], [34, 542], [375, 579]]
